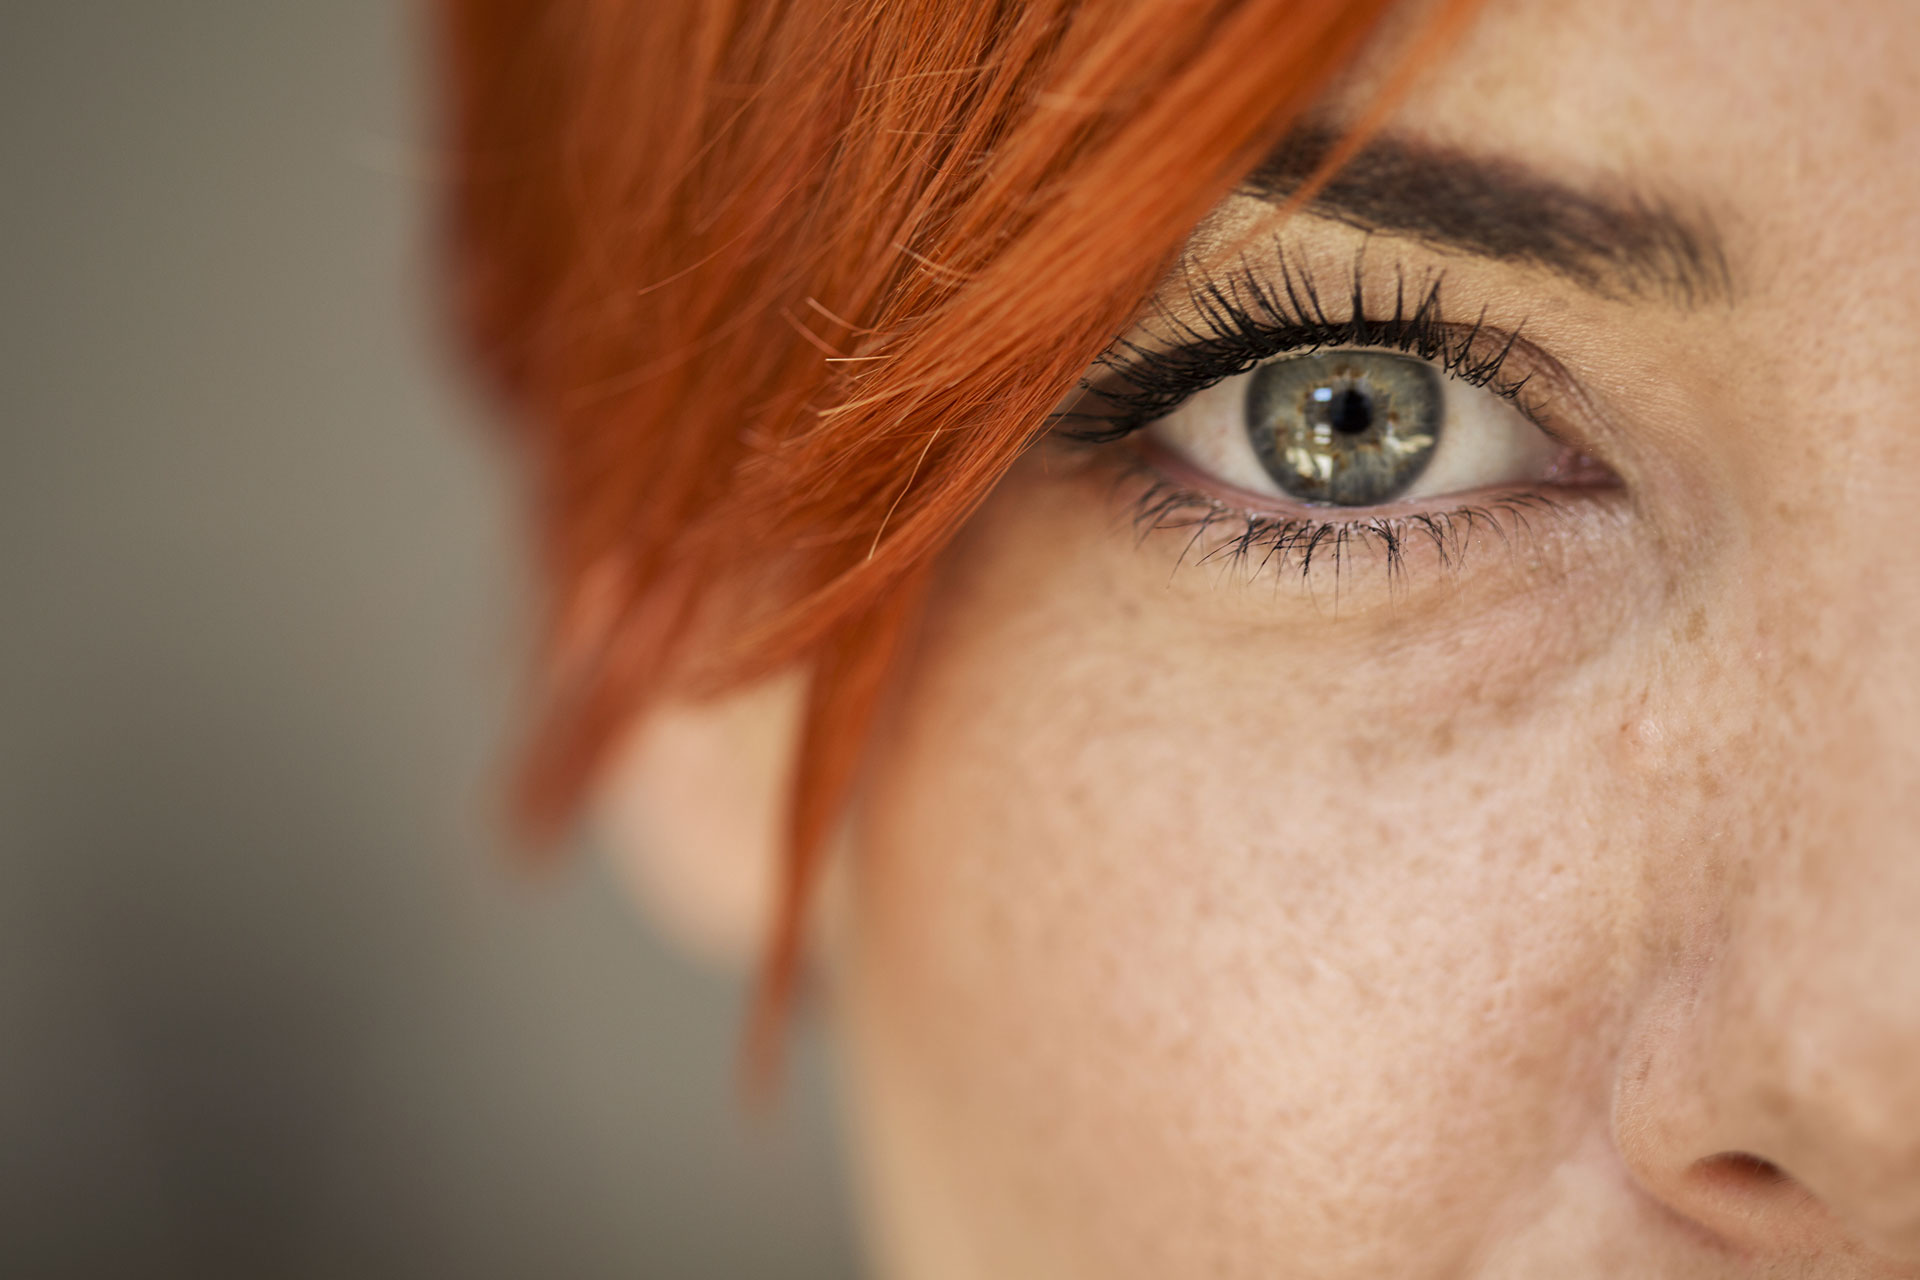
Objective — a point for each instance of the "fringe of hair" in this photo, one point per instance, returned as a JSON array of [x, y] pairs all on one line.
[[775, 291]]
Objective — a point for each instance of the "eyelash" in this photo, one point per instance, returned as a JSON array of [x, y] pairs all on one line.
[[1307, 543], [1242, 321]]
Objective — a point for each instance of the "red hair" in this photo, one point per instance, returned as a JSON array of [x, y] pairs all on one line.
[[776, 290]]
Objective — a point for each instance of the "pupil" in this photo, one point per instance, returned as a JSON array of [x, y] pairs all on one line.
[[1350, 412]]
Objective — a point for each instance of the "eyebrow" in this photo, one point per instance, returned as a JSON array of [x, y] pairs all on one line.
[[1499, 208]]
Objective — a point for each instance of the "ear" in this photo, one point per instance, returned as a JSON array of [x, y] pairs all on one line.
[[694, 810]]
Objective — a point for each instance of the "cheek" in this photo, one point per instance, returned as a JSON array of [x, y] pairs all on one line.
[[1178, 942]]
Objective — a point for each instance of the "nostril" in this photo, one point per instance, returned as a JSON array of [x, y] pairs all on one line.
[[1743, 1171], [1746, 1185], [1751, 1200]]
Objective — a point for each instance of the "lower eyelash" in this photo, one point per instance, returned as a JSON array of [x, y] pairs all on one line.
[[1307, 545]]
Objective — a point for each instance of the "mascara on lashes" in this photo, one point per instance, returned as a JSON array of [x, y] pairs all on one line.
[[1242, 320]]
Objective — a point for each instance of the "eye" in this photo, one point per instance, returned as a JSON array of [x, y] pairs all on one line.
[[1356, 428]]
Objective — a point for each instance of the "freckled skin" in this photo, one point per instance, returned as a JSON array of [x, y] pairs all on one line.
[[1557, 918]]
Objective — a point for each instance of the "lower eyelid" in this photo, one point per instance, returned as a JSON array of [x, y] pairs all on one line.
[[1408, 548], [1219, 524], [1492, 550]]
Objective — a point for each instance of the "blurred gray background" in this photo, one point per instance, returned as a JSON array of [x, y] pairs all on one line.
[[273, 1001]]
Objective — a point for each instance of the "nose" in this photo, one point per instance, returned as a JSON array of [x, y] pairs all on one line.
[[1786, 1122], [1770, 1088]]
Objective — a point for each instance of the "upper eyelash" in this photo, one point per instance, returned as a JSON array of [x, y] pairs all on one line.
[[1244, 320]]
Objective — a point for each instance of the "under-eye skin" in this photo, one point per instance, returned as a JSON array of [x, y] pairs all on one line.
[[1281, 432]]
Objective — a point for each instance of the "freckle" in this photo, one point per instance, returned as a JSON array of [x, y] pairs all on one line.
[[1696, 625], [1507, 708], [1881, 122], [1443, 736]]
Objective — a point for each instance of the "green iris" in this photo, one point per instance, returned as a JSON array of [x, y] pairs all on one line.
[[1346, 428]]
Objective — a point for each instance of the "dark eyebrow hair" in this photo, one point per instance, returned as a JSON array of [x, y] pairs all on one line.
[[1499, 208]]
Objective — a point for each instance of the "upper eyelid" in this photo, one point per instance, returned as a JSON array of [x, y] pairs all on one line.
[[1477, 354], [1304, 284]]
